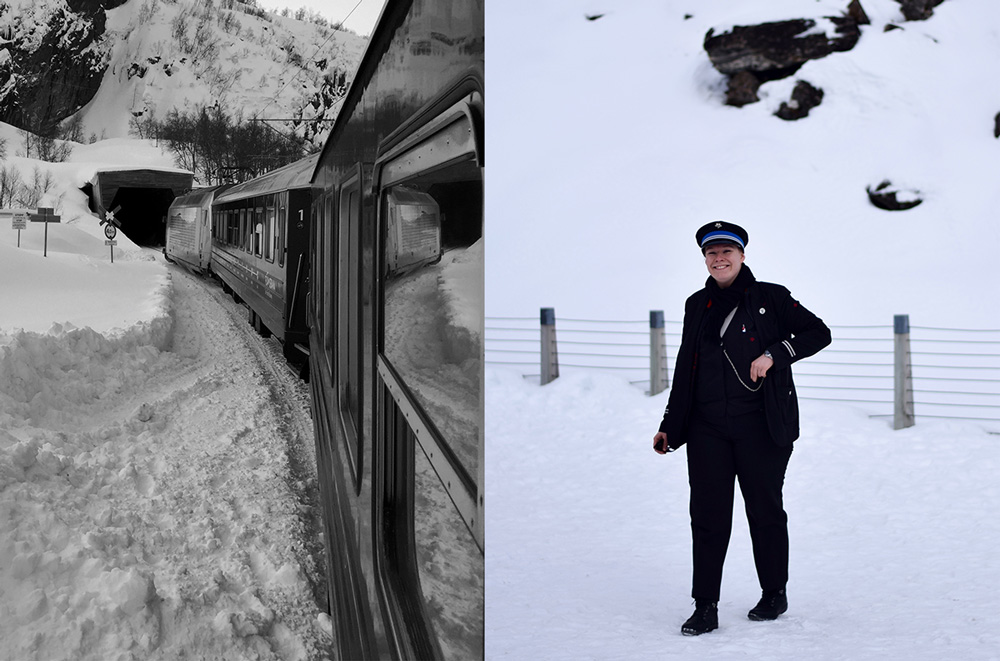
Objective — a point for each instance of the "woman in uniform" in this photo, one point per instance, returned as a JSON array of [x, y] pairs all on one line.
[[733, 403]]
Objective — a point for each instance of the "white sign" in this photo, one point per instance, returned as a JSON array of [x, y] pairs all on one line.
[[20, 221], [110, 231], [110, 243]]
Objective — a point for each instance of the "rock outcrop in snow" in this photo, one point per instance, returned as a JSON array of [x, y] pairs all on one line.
[[53, 56]]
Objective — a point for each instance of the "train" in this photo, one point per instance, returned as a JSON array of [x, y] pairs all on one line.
[[253, 237], [260, 250], [189, 229], [366, 261], [395, 320]]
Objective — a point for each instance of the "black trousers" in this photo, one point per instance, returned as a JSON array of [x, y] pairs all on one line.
[[719, 452]]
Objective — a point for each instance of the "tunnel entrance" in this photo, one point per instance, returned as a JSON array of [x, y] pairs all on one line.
[[143, 214], [140, 199]]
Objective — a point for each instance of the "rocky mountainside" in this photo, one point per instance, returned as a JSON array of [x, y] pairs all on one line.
[[109, 63]]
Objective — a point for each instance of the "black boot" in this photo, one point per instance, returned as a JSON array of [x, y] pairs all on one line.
[[704, 619], [772, 604]]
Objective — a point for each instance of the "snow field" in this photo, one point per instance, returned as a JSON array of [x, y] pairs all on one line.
[[892, 535]]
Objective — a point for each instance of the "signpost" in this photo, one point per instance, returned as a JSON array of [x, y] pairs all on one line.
[[19, 221], [45, 215], [111, 229]]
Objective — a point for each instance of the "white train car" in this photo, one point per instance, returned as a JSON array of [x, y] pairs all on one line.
[[189, 229]]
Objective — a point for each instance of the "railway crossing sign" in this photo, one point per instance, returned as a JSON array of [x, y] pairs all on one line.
[[109, 216], [111, 229]]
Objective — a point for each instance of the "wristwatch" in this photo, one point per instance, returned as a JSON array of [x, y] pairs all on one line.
[[767, 354]]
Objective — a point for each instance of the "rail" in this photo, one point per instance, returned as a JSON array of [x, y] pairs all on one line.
[[894, 371]]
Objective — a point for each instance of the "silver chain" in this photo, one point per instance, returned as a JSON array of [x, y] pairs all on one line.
[[735, 371], [725, 325]]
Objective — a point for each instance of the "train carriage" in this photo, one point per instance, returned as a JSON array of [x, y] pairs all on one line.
[[396, 325], [260, 250], [189, 229]]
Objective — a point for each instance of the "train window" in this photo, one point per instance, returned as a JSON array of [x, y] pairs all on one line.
[[270, 235], [433, 298], [431, 208], [328, 247], [348, 308], [282, 224], [258, 231], [247, 220], [317, 281]]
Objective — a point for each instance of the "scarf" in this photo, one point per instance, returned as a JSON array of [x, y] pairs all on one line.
[[722, 301]]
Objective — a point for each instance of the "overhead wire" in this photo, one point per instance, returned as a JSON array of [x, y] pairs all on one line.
[[316, 52]]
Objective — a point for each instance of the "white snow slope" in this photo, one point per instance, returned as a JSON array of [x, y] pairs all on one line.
[[176, 54], [893, 534]]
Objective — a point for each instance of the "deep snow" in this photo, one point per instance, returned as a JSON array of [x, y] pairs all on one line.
[[154, 496]]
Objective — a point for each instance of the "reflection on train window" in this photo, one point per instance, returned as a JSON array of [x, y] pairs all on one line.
[[434, 299], [349, 321], [451, 567], [433, 310]]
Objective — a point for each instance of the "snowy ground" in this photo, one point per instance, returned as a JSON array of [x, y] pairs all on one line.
[[893, 535], [154, 492]]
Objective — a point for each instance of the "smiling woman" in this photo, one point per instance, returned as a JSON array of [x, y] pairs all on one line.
[[738, 414], [724, 262]]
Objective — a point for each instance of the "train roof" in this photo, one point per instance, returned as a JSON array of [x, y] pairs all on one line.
[[389, 20], [198, 196], [290, 177], [362, 75]]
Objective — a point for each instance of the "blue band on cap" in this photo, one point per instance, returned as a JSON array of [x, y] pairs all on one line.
[[714, 236]]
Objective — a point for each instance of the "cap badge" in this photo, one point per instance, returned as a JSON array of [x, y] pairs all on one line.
[[718, 225]]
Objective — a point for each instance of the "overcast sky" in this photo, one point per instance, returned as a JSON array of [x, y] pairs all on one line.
[[362, 19]]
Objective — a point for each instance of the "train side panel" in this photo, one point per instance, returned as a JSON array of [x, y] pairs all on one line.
[[396, 339], [188, 233]]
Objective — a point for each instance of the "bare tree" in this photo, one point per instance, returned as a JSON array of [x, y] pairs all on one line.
[[10, 184]]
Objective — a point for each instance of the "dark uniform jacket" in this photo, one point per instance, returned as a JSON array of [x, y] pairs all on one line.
[[785, 328]]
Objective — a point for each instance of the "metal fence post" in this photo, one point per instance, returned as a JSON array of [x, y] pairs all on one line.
[[657, 353], [902, 373], [550, 357]]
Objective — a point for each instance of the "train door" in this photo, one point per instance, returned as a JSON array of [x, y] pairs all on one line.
[[205, 236], [428, 453], [352, 308]]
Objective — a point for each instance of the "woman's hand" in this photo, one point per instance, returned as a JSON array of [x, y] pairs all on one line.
[[759, 367], [660, 443]]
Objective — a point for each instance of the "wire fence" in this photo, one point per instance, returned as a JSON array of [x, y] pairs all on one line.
[[955, 371]]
